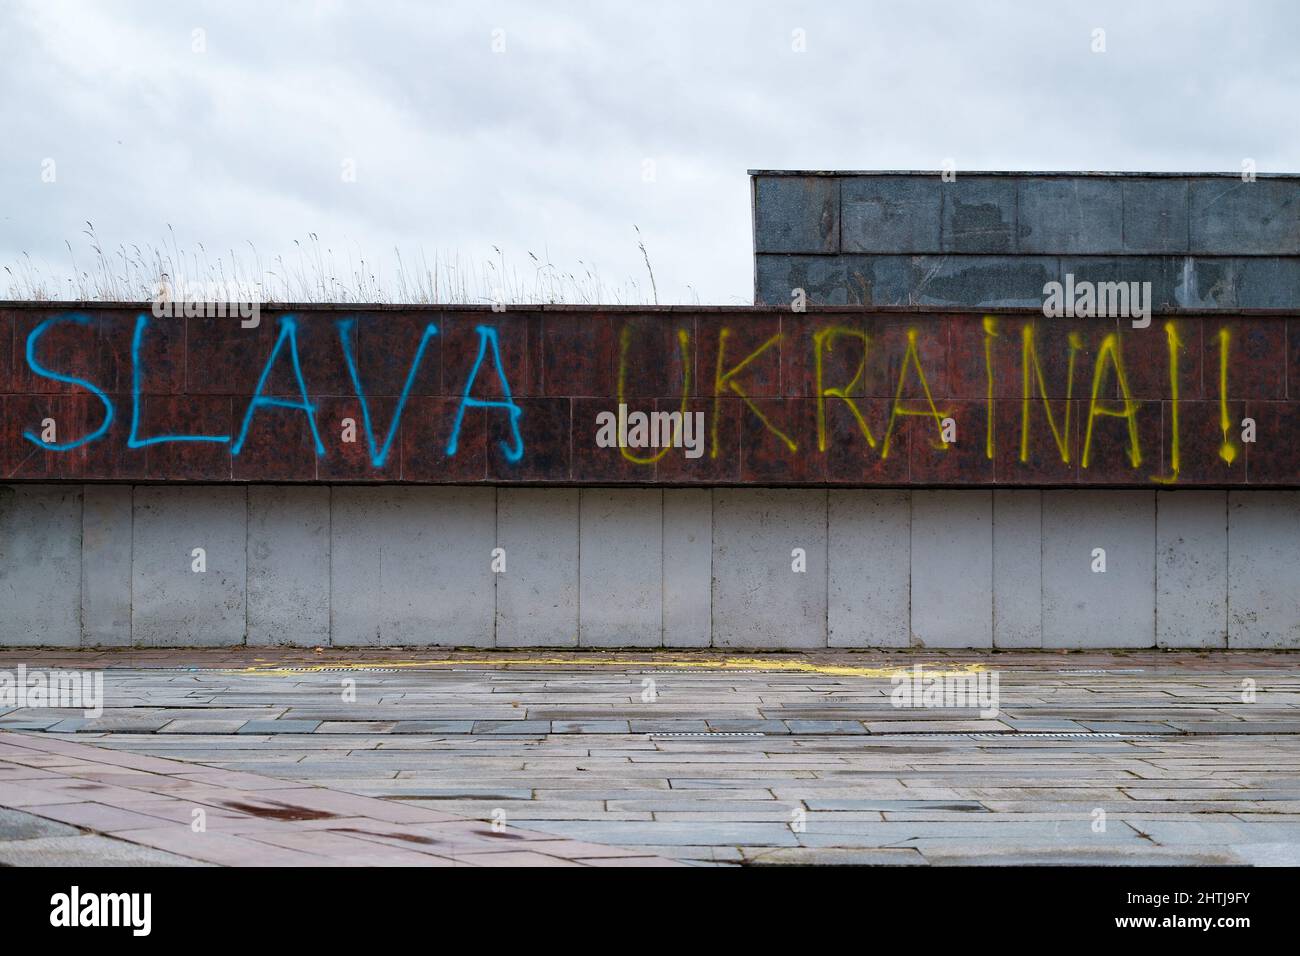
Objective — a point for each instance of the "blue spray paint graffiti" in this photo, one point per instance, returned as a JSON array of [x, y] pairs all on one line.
[[379, 456], [288, 333], [288, 337], [32, 363], [488, 336], [137, 374]]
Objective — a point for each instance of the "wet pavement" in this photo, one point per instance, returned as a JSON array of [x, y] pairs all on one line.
[[1130, 758]]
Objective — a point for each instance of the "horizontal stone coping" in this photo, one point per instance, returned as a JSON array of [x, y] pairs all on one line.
[[1018, 174], [932, 311]]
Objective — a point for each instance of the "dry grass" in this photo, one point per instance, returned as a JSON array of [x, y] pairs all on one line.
[[315, 273]]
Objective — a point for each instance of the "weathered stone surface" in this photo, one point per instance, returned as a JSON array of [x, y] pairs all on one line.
[[758, 599], [1192, 569], [412, 566], [1017, 568], [898, 215], [952, 568], [1264, 569], [174, 605], [288, 565], [1070, 215], [1232, 217], [1155, 216], [869, 557], [40, 565], [621, 551], [984, 281], [106, 560], [797, 214], [687, 567], [537, 595], [1083, 607], [979, 215]]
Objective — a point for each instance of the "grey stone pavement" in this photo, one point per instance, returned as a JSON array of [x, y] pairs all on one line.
[[709, 758]]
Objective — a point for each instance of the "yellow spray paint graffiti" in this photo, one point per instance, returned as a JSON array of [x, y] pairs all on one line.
[[683, 343], [898, 410], [1111, 394], [824, 341], [990, 333], [668, 661], [727, 380], [1175, 463], [1227, 451], [1030, 362], [1098, 407]]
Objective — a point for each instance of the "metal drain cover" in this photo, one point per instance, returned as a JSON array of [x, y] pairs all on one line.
[[1021, 735], [335, 670]]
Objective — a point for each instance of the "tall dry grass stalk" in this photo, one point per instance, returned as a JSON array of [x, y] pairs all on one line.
[[314, 272]]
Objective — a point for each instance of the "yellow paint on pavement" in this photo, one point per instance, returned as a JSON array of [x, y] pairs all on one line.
[[765, 664]]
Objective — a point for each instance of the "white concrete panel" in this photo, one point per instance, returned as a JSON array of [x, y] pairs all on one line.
[[40, 565], [952, 568], [1017, 568], [688, 567], [288, 565], [1192, 568], [411, 566], [758, 601], [621, 555], [174, 606], [1264, 569], [869, 567], [1083, 608], [106, 565], [537, 595]]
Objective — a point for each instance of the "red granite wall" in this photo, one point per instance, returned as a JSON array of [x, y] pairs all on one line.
[[840, 397]]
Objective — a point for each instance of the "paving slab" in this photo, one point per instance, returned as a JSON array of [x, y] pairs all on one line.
[[713, 768]]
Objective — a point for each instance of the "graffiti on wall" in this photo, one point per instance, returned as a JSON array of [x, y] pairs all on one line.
[[464, 395]]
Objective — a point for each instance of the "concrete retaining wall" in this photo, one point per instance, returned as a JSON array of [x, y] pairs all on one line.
[[100, 565]]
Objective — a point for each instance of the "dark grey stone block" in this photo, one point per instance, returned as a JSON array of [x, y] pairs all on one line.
[[992, 282], [1202, 283], [890, 214], [979, 215], [834, 280], [776, 278], [797, 214], [1155, 216], [1231, 217], [877, 280], [1267, 283], [1070, 216], [1163, 272]]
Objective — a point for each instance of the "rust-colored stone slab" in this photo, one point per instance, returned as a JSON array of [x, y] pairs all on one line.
[[783, 397]]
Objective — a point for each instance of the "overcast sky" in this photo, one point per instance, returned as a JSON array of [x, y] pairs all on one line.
[[592, 118]]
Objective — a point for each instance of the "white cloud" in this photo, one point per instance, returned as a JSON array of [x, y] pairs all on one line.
[[541, 148]]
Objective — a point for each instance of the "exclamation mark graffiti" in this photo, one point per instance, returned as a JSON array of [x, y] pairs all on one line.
[[990, 333], [1171, 333], [1227, 451]]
